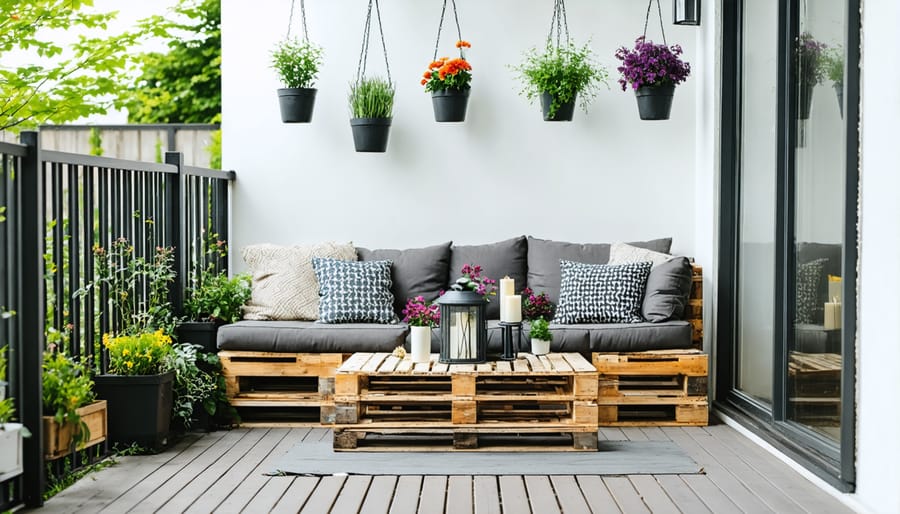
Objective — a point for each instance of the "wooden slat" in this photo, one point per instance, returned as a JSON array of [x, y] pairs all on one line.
[[324, 495], [541, 495], [625, 495], [681, 494], [569, 496], [535, 362], [296, 495], [487, 495], [521, 366], [460, 495], [351, 495], [268, 496], [389, 364], [512, 494], [579, 363], [559, 363], [355, 362], [433, 495], [407, 501], [653, 495], [378, 498], [596, 494], [374, 362], [707, 490]]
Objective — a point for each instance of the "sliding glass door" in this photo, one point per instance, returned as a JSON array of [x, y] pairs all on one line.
[[788, 240]]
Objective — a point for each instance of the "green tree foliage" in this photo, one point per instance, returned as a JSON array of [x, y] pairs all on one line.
[[59, 83], [183, 85]]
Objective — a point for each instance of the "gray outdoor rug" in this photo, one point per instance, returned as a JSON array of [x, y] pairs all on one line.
[[613, 458]]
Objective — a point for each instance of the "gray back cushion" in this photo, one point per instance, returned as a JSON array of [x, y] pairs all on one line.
[[668, 289], [415, 272], [503, 259], [544, 257]]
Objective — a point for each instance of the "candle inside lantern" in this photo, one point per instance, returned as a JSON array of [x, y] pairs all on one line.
[[507, 288], [511, 308], [462, 336]]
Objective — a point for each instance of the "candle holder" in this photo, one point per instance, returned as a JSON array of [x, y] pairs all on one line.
[[511, 333]]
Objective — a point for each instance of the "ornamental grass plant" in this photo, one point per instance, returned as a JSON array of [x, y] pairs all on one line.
[[371, 97]]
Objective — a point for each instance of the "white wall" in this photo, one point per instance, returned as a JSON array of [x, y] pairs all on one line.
[[504, 172], [878, 447]]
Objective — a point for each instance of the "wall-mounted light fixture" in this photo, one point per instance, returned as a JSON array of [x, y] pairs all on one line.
[[687, 12]]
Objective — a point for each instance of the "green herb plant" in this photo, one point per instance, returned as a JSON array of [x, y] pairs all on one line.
[[192, 385], [833, 63], [67, 386], [212, 296], [540, 329], [561, 72], [371, 97], [297, 62]]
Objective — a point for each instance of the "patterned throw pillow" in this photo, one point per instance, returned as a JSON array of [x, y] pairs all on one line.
[[284, 285], [624, 253], [810, 283], [354, 292], [601, 293]]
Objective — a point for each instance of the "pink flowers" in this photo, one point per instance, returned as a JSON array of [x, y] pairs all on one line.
[[536, 306], [473, 281], [419, 313]]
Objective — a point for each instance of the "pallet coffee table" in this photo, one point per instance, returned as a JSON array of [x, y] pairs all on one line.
[[382, 401]]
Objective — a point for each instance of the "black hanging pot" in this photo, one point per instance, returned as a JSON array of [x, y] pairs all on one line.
[[839, 91], [655, 102], [450, 104], [565, 112], [370, 134], [296, 104], [804, 102]]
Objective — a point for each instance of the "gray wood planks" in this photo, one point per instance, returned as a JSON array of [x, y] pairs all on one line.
[[569, 495], [487, 495], [653, 494], [296, 495], [459, 495], [623, 491], [541, 495], [378, 499], [596, 494], [434, 489], [406, 496], [682, 495], [513, 497], [351, 495], [324, 495]]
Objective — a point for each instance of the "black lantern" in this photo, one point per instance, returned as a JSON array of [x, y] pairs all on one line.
[[687, 12], [463, 330]]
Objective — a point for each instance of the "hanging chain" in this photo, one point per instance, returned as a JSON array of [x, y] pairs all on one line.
[[364, 51], [302, 20], [559, 22], [647, 20], [441, 25]]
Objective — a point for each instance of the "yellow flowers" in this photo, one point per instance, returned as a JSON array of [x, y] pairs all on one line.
[[140, 354]]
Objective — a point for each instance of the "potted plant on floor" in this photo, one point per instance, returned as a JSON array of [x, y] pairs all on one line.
[[653, 71], [371, 108], [212, 300], [540, 337], [297, 63], [11, 434], [449, 82], [73, 418]]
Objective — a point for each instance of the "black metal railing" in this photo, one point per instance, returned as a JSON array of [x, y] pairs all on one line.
[[63, 210]]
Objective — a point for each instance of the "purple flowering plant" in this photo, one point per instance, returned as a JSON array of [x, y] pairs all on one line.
[[536, 306], [419, 313], [473, 280], [810, 62], [650, 64]]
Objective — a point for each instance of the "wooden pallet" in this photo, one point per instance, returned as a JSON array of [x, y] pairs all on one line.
[[694, 308], [815, 380], [465, 404], [652, 388], [287, 387]]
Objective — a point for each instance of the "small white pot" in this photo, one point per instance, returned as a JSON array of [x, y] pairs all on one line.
[[420, 341], [539, 346], [10, 450]]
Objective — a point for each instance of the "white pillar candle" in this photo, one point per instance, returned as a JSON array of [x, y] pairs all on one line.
[[507, 288], [512, 312]]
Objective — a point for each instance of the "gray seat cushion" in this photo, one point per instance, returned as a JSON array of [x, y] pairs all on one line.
[[310, 337], [587, 338], [497, 260], [544, 256]]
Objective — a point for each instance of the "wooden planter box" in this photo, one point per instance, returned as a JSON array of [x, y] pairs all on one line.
[[58, 438]]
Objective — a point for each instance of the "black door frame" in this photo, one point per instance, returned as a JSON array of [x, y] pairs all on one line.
[[832, 462]]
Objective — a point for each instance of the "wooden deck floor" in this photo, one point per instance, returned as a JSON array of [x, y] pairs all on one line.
[[223, 472]]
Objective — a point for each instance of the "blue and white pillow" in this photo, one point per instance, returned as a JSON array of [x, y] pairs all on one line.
[[354, 292], [601, 293]]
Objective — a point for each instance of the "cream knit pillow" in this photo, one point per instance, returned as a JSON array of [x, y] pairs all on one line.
[[284, 283], [622, 253]]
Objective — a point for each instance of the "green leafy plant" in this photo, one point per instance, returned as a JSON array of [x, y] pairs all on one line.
[[7, 406], [297, 62], [67, 386], [193, 386], [832, 62], [212, 296], [372, 97], [540, 329], [561, 72]]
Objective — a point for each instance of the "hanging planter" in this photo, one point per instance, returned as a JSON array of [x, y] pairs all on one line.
[[297, 63], [371, 98], [653, 71], [449, 80], [561, 72]]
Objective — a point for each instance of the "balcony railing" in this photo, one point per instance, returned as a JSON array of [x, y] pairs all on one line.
[[60, 209]]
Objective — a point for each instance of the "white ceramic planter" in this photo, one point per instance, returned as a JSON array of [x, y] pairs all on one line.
[[540, 347], [10, 450], [420, 341]]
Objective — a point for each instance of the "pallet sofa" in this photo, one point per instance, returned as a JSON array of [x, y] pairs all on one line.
[[650, 373]]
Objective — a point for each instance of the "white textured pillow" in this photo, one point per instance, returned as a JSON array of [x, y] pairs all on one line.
[[284, 283], [621, 253]]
